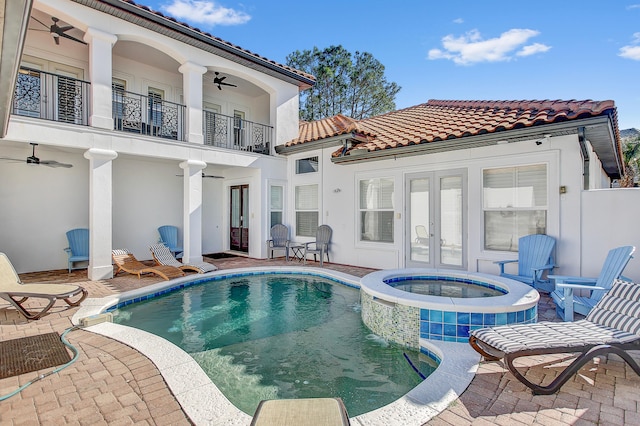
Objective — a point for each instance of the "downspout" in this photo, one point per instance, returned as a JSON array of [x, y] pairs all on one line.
[[584, 152]]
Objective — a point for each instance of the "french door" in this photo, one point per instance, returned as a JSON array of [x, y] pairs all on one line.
[[436, 219], [239, 218]]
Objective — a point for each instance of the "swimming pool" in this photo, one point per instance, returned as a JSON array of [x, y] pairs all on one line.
[[280, 336], [202, 400]]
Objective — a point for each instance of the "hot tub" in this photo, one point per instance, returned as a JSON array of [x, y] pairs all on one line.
[[405, 317]]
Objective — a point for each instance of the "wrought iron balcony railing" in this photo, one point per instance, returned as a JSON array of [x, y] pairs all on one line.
[[236, 133], [40, 94], [148, 115]]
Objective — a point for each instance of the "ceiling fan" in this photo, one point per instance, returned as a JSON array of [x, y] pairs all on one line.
[[57, 31], [220, 81], [32, 159]]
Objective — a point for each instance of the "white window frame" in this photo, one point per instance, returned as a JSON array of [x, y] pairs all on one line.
[[374, 208], [514, 206], [306, 209], [271, 208]]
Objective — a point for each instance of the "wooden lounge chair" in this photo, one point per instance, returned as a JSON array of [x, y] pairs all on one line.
[[162, 255], [125, 261], [301, 412], [15, 292], [612, 326]]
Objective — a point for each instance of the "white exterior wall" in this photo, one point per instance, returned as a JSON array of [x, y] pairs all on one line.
[[339, 209]]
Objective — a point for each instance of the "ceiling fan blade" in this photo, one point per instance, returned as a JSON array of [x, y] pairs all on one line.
[[12, 159], [228, 84], [54, 163], [63, 29], [72, 38], [40, 22]]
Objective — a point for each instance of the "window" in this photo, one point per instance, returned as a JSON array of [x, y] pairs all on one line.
[[238, 128], [276, 205], [514, 205], [376, 210], [306, 210], [155, 108], [307, 165], [118, 88]]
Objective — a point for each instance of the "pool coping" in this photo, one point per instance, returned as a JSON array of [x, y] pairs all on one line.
[[205, 404]]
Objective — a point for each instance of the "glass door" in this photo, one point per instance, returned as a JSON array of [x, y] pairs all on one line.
[[436, 223], [239, 218]]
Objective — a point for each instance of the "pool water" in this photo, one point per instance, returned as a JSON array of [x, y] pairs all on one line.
[[282, 336], [446, 288]]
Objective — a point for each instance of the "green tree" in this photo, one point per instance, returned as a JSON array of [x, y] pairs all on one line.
[[350, 84], [631, 153]]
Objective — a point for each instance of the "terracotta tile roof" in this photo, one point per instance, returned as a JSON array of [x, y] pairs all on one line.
[[328, 127], [439, 120], [255, 56]]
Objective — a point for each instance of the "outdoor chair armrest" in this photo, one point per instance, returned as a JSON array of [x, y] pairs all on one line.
[[545, 267], [579, 286], [68, 250], [568, 279], [502, 262]]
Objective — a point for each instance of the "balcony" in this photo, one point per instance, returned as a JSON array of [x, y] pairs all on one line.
[[148, 115], [40, 94], [43, 95], [236, 133]]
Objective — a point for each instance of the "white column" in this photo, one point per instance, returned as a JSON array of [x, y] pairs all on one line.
[[100, 212], [100, 74], [192, 213], [192, 92]]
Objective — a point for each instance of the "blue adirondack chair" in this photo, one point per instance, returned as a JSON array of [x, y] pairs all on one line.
[[169, 236], [78, 250], [567, 303], [535, 255]]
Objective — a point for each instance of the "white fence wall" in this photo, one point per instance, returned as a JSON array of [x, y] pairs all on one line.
[[609, 219]]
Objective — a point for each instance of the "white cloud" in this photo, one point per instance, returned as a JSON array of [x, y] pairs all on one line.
[[205, 12], [633, 6], [458, 21], [633, 50], [472, 48], [532, 49]]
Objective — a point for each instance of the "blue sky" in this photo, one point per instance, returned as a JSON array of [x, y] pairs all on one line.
[[453, 49]]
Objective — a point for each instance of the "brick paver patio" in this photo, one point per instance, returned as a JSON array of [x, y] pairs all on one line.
[[114, 384]]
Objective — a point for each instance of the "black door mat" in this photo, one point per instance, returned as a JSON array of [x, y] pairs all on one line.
[[33, 353], [219, 255]]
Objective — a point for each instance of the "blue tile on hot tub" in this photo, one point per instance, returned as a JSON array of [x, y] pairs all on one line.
[[501, 318], [511, 317], [464, 318], [424, 314], [520, 316], [424, 326], [450, 317], [489, 319], [462, 331], [435, 328], [435, 315], [476, 319], [450, 330]]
